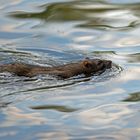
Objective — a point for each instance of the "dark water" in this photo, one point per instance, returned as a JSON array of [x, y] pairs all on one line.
[[53, 32]]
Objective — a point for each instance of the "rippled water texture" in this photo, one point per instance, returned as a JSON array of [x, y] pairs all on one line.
[[54, 32]]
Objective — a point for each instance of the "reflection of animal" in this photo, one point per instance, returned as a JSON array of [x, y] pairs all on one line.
[[86, 67]]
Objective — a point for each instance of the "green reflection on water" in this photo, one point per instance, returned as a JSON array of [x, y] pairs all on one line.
[[104, 52], [93, 13], [134, 97], [133, 58], [66, 11], [54, 107]]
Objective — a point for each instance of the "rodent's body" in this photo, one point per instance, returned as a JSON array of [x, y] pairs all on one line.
[[86, 67]]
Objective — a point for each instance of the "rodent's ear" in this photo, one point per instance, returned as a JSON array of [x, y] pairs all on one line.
[[86, 63]]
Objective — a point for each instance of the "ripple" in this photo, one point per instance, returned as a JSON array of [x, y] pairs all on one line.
[[11, 85]]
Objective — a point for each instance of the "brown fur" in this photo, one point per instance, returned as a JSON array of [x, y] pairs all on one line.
[[86, 67]]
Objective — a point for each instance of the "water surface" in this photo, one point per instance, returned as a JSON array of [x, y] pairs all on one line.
[[54, 32]]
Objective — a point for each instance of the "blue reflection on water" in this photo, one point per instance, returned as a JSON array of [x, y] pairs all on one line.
[[55, 32]]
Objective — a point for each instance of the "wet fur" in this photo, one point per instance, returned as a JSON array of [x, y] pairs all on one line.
[[86, 67]]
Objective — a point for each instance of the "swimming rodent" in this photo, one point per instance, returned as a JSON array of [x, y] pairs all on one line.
[[86, 67]]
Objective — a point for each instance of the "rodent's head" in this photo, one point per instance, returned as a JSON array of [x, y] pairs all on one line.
[[96, 65]]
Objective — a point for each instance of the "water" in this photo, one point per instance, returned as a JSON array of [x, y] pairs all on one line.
[[53, 32]]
